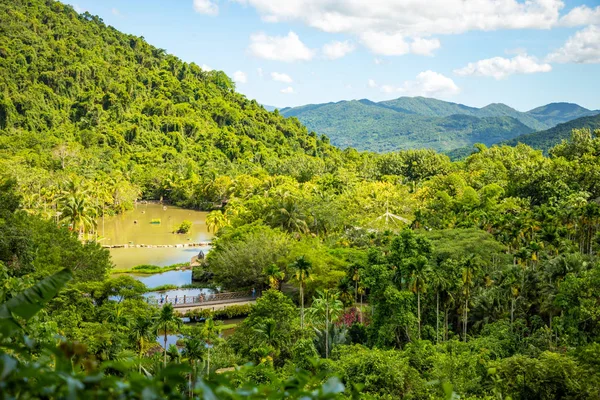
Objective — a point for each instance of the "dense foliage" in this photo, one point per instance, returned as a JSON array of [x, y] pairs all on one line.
[[401, 275], [418, 122]]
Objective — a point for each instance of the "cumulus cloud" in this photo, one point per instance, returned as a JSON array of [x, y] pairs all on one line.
[[287, 90], [116, 12], [395, 44], [581, 48], [378, 61], [427, 83], [206, 68], [336, 49], [280, 77], [260, 72], [499, 67], [582, 15], [206, 7], [279, 48], [240, 77], [396, 27]]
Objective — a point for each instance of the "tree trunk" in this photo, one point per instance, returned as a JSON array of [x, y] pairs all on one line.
[[301, 305], [165, 350], [465, 319], [327, 329], [437, 318], [419, 311]]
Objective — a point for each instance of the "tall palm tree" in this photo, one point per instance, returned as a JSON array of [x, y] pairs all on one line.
[[302, 268], [440, 283], [470, 265], [78, 212], [288, 214], [209, 334], [275, 276], [166, 321], [194, 351], [325, 310], [268, 333], [418, 272], [142, 332]]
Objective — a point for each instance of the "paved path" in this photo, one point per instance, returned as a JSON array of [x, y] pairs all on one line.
[[183, 308]]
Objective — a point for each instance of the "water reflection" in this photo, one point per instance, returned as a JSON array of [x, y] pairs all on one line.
[[178, 278]]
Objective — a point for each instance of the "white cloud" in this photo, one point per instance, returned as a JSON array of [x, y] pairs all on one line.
[[280, 48], [240, 77], [287, 90], [499, 67], [378, 61], [410, 26], [581, 48], [116, 12], [206, 7], [260, 72], [79, 9], [582, 15], [427, 83], [280, 77], [336, 49], [396, 45], [206, 68]]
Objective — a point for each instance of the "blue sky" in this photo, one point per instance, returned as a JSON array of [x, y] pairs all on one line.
[[294, 52]]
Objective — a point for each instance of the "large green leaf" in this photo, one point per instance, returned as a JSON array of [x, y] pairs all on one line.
[[25, 305]]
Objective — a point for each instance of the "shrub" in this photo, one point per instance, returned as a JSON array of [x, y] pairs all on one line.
[[184, 227]]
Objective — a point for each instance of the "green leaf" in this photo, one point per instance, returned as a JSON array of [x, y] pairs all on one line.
[[28, 303]]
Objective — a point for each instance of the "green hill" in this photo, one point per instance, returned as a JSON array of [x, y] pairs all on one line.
[[547, 139], [405, 123], [74, 89], [413, 122], [556, 113]]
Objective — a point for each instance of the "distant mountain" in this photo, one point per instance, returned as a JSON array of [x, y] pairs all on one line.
[[269, 108], [417, 122], [549, 138], [556, 113]]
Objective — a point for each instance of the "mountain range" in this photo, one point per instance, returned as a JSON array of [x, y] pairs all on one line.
[[420, 122]]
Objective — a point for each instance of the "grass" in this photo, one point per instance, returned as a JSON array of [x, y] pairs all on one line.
[[162, 288], [146, 269]]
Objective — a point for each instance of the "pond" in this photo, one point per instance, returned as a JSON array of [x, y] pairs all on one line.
[[135, 227], [178, 278], [179, 293]]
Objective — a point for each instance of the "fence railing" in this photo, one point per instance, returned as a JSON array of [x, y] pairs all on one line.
[[204, 298]]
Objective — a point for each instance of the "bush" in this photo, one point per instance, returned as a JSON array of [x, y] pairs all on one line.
[[184, 227]]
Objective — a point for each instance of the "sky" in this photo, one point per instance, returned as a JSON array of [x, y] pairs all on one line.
[[293, 52]]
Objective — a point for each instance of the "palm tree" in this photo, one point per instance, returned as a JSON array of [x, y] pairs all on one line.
[[194, 351], [275, 276], [268, 333], [441, 283], [216, 220], [288, 214], [418, 272], [209, 333], [142, 332], [326, 308], [167, 321], [470, 265], [78, 213], [302, 268]]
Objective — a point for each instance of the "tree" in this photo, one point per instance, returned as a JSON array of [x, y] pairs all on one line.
[[325, 310], [275, 276], [419, 271], [470, 268], [209, 334], [302, 268], [78, 213], [216, 220], [194, 350], [167, 321], [143, 333]]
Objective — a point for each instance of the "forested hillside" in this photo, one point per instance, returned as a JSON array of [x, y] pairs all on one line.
[[77, 96], [381, 127], [545, 140], [383, 276], [419, 122]]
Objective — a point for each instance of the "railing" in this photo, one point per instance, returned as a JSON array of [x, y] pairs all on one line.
[[204, 298]]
